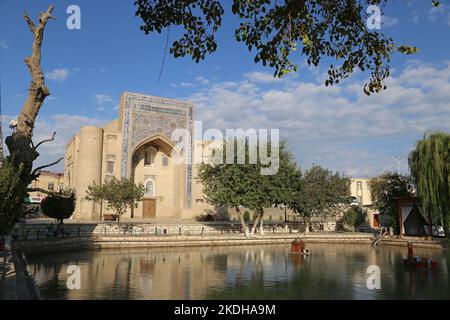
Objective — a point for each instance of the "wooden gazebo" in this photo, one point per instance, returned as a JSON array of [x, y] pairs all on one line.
[[410, 208]]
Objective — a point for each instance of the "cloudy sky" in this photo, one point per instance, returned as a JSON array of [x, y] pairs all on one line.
[[338, 127]]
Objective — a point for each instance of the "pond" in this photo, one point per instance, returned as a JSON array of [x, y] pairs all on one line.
[[333, 271]]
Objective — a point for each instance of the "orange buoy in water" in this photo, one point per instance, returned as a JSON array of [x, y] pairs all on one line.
[[297, 246]]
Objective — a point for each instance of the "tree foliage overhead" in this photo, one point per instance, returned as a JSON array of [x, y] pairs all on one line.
[[280, 32], [384, 189], [119, 194], [321, 191], [430, 169]]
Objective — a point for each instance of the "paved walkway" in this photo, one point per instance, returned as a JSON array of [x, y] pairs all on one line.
[[7, 277]]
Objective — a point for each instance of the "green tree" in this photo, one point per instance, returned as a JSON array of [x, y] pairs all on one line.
[[354, 217], [119, 194], [9, 195], [281, 31], [59, 206], [322, 192], [430, 170], [234, 185], [384, 189], [246, 216]]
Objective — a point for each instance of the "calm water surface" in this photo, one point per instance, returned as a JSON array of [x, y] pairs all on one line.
[[253, 272]]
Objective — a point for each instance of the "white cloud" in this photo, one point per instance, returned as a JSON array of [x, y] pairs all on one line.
[[183, 85], [103, 99], [436, 12], [59, 75], [415, 17], [261, 77], [339, 127], [65, 126], [388, 21], [186, 85], [202, 80], [3, 45]]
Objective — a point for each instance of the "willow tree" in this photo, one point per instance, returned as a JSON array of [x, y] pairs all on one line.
[[430, 169], [282, 33]]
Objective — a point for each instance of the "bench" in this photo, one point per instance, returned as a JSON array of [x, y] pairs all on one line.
[[110, 217]]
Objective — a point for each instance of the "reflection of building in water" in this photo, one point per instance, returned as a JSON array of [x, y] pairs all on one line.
[[139, 274], [332, 272]]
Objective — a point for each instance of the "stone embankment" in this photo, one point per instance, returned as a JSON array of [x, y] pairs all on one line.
[[144, 241], [40, 238], [39, 231]]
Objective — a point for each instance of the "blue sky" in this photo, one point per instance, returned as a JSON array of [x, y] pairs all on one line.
[[88, 69]]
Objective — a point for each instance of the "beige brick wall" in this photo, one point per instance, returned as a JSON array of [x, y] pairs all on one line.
[[48, 181], [360, 189]]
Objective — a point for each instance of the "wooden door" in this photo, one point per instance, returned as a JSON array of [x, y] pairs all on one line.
[[376, 221], [149, 208]]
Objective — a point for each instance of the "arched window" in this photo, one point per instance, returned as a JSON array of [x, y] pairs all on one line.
[[150, 155], [150, 188], [165, 161]]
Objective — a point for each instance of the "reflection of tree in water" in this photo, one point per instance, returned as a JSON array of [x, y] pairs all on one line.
[[334, 272], [50, 271], [52, 287], [281, 276], [252, 272]]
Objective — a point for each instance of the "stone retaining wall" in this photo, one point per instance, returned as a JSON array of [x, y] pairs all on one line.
[[150, 241], [417, 243], [30, 231]]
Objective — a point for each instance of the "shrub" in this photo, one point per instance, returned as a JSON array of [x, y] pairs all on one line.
[[58, 208], [354, 218], [281, 218], [246, 216], [9, 195], [206, 217]]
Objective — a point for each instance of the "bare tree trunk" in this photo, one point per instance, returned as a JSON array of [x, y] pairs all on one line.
[[244, 225], [255, 225], [20, 145], [261, 227], [305, 221]]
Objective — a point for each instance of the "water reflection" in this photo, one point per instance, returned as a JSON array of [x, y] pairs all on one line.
[[266, 272]]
